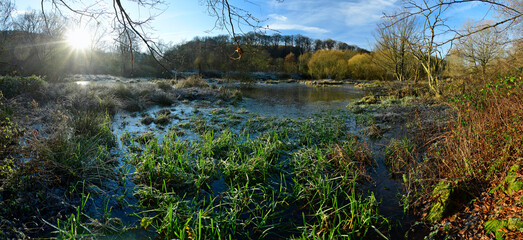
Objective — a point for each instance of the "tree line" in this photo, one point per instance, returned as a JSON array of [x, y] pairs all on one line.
[[288, 54], [406, 48]]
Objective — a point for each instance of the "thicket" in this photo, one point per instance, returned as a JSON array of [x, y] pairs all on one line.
[[486, 137], [330, 64], [11, 86], [481, 143]]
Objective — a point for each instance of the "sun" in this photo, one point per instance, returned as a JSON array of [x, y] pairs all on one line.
[[78, 39]]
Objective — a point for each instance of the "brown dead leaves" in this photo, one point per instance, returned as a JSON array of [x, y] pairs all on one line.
[[469, 223]]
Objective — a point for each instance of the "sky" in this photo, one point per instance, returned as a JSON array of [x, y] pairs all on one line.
[[350, 21]]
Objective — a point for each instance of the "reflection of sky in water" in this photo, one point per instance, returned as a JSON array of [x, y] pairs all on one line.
[[292, 99], [82, 83]]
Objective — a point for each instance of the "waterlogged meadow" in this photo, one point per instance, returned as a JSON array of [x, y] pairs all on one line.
[[135, 159], [246, 176], [141, 159]]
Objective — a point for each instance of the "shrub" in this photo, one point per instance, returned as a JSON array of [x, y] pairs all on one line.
[[164, 85], [123, 92], [162, 98], [485, 139], [362, 67], [14, 85], [399, 155], [481, 143], [92, 124], [9, 132], [330, 63], [303, 61]]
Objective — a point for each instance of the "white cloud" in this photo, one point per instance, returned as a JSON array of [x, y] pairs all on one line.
[[17, 13], [277, 17], [298, 27], [365, 12], [352, 21], [332, 13], [280, 22], [458, 8]]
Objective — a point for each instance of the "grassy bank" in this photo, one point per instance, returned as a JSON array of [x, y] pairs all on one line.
[[55, 146], [460, 158], [452, 172]]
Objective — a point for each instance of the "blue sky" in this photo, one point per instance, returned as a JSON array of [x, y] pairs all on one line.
[[351, 21]]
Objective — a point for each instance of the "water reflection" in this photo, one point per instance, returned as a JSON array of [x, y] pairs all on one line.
[[83, 83], [294, 100]]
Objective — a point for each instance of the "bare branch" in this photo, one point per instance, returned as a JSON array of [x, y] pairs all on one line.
[[412, 8], [6, 8], [227, 16]]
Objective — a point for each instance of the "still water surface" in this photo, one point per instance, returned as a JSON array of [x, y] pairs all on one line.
[[296, 100]]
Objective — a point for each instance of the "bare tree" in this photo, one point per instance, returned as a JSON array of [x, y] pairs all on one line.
[[480, 49], [276, 38], [228, 16], [424, 45], [514, 12], [427, 46], [392, 45], [6, 8], [511, 13], [329, 44], [342, 46], [32, 45], [127, 46], [318, 45], [287, 40], [455, 64]]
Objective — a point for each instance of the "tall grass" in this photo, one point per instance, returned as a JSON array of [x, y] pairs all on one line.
[[485, 138], [192, 81], [231, 185], [325, 184], [36, 183], [84, 155], [400, 155]]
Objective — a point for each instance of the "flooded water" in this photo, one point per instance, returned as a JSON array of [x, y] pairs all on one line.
[[300, 100], [297, 100], [284, 100]]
